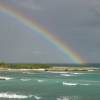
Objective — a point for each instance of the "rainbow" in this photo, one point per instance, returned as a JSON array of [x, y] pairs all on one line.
[[33, 25]]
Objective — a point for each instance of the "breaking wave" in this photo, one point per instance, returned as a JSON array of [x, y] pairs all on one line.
[[25, 79], [28, 73], [40, 81], [56, 72], [71, 74], [37, 97], [72, 84], [5, 78], [68, 98], [66, 75], [78, 73], [14, 95]]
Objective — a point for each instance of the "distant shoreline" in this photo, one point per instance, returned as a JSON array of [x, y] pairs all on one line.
[[44, 68], [52, 69]]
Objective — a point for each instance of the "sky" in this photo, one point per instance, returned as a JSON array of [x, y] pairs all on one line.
[[75, 22]]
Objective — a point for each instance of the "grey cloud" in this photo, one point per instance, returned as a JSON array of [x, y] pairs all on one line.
[[29, 5], [75, 22], [19, 44]]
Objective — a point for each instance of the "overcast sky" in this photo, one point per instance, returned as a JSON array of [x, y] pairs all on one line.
[[75, 22]]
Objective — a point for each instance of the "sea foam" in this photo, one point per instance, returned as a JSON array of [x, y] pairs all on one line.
[[14, 95], [5, 78], [71, 74], [40, 81], [37, 97], [66, 75], [63, 98], [78, 73], [71, 84], [68, 98], [74, 84], [28, 73]]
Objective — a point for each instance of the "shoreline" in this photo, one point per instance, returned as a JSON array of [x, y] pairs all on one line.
[[52, 69]]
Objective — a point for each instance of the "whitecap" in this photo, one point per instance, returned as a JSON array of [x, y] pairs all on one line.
[[37, 97], [27, 73], [14, 95], [66, 75], [5, 78], [68, 98], [40, 81], [63, 98], [71, 84]]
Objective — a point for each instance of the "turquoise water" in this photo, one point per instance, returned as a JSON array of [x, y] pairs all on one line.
[[50, 86]]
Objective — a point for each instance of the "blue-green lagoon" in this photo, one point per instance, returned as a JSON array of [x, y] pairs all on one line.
[[50, 86]]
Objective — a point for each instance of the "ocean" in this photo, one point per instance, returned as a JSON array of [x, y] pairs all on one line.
[[50, 85]]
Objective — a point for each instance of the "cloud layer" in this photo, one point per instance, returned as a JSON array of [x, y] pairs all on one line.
[[75, 22]]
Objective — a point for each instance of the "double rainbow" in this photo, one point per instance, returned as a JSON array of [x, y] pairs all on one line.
[[35, 26]]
